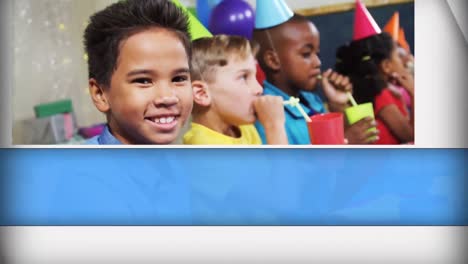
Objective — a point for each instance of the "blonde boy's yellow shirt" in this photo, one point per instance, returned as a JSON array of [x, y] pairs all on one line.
[[202, 135]]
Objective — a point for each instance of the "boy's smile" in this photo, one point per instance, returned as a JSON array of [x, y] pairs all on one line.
[[150, 95], [163, 122]]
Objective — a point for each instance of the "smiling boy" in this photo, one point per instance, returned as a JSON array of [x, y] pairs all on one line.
[[139, 73]]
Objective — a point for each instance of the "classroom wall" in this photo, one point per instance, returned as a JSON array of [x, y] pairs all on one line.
[[336, 29], [49, 61]]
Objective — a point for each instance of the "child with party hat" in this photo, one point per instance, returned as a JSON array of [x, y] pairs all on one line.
[[289, 47], [405, 51], [227, 97], [398, 34], [393, 29], [374, 67]]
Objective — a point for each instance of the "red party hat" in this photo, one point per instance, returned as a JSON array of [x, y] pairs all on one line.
[[364, 24]]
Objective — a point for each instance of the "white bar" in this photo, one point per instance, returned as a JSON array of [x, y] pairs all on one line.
[[234, 244], [441, 77]]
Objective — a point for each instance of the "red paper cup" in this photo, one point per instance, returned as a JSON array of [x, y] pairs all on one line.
[[326, 129]]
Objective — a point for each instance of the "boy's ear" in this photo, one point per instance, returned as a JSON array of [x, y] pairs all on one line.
[[201, 94], [271, 60], [98, 96]]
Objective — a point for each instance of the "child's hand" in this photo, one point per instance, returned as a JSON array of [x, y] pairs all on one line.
[[357, 133], [270, 113], [335, 86], [270, 110], [406, 80]]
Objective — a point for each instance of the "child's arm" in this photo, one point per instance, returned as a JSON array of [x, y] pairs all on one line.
[[399, 124], [270, 113], [406, 80]]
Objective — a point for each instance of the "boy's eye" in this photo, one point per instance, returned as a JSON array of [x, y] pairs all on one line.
[[142, 81], [180, 78], [306, 54], [244, 76]]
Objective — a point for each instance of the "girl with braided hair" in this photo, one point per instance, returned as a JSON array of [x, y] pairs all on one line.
[[375, 69]]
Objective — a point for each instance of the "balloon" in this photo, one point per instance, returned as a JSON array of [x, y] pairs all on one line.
[[212, 3], [204, 8], [232, 17]]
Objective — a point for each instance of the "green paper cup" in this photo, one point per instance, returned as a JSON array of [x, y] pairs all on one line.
[[356, 113]]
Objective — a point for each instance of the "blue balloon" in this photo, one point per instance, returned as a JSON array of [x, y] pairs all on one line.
[[213, 3], [204, 8], [233, 17]]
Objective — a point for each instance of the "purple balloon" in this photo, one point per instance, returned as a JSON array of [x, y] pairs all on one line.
[[232, 17]]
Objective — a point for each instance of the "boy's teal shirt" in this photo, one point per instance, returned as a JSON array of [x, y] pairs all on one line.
[[105, 138], [296, 126]]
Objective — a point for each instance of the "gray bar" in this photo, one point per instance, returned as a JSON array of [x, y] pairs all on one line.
[[6, 71]]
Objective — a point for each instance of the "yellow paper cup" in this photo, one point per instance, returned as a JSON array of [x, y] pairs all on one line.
[[357, 113]]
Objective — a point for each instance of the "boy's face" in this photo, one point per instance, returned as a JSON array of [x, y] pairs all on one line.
[[150, 94], [234, 90], [298, 54]]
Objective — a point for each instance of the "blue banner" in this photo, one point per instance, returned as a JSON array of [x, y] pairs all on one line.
[[233, 187]]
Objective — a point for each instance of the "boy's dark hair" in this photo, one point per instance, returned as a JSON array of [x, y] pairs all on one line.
[[360, 61], [271, 38], [109, 27]]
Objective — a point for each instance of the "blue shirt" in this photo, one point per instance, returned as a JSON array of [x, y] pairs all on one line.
[[296, 126], [105, 138]]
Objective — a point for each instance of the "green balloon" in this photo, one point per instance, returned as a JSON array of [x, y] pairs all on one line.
[[196, 28]]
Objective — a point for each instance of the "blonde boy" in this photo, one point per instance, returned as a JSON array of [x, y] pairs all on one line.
[[227, 97]]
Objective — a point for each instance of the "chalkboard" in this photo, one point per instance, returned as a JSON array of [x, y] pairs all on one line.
[[336, 29]]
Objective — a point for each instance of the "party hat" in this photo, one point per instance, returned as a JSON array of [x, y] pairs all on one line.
[[364, 24], [270, 13], [393, 26], [402, 40], [196, 28]]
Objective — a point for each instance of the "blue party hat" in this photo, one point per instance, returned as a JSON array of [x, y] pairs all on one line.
[[270, 13]]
